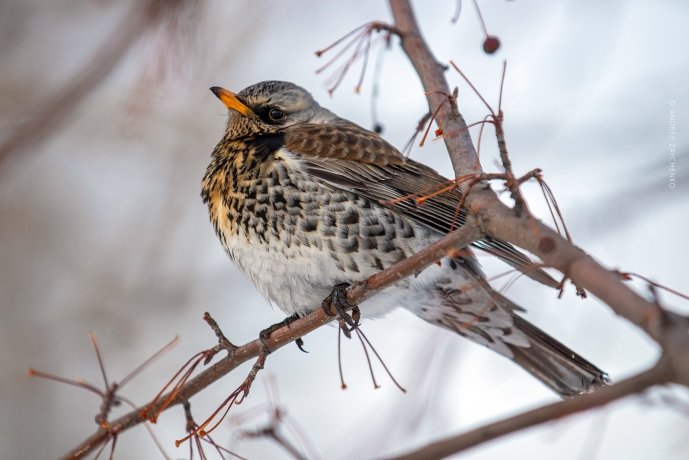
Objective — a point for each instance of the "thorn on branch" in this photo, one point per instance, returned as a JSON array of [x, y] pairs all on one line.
[[580, 291]]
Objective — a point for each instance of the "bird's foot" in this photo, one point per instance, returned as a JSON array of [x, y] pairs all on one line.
[[336, 305], [264, 335]]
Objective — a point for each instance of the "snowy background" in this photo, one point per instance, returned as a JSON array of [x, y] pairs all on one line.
[[102, 228]]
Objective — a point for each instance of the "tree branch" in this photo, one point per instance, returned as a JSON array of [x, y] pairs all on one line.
[[499, 221], [356, 293], [518, 227], [460, 147], [667, 329], [661, 373]]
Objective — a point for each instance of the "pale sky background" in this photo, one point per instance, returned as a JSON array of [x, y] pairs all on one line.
[[102, 228]]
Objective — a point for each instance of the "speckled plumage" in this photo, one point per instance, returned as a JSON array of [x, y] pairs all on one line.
[[295, 195]]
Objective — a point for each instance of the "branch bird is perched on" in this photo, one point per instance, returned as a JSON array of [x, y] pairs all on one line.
[[294, 193]]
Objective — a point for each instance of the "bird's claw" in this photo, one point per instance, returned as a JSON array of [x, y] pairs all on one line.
[[264, 335], [336, 305], [300, 344]]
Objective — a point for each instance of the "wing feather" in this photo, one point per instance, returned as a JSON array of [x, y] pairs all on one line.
[[349, 157]]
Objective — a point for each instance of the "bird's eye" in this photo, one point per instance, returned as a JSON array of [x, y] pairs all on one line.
[[276, 114]]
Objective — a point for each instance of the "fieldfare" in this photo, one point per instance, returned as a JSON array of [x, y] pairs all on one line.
[[303, 200]]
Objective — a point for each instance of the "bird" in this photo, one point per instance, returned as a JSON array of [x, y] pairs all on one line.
[[303, 201]]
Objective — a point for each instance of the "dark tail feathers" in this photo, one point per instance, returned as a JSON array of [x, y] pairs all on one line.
[[558, 367]]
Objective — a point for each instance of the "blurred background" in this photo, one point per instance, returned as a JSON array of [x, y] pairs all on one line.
[[106, 127]]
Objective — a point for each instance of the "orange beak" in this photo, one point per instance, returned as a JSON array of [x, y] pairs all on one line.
[[231, 102]]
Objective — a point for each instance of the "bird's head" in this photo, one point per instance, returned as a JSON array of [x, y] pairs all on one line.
[[269, 107]]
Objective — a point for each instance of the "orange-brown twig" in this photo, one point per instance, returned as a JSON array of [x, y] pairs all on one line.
[[236, 397], [361, 40], [192, 428], [109, 395], [180, 378]]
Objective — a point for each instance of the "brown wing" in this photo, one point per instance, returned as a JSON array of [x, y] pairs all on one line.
[[352, 158], [344, 140]]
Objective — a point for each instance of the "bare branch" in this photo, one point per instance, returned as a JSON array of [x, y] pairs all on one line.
[[356, 293], [661, 373], [499, 221], [462, 152]]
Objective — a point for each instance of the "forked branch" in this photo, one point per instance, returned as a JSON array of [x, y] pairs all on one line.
[[669, 330]]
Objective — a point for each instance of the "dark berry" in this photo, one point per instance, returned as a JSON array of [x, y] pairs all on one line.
[[491, 44]]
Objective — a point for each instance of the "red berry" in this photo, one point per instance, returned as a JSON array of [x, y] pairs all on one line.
[[491, 44]]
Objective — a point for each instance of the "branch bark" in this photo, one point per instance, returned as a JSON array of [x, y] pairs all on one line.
[[460, 147]]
